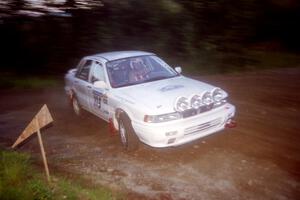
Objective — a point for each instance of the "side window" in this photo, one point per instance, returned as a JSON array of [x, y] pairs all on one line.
[[84, 70], [98, 73]]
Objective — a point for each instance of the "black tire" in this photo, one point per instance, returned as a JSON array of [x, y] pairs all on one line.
[[128, 138], [76, 107]]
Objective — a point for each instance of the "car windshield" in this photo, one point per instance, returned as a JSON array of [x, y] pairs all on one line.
[[136, 70]]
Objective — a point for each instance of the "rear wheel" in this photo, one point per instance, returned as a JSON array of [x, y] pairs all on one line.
[[128, 137]]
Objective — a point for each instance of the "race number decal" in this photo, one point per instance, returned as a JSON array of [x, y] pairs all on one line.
[[97, 99]]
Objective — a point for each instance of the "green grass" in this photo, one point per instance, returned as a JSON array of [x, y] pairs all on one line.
[[217, 62], [20, 180], [8, 81], [206, 62]]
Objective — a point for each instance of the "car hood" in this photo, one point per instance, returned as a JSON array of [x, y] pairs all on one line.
[[159, 97]]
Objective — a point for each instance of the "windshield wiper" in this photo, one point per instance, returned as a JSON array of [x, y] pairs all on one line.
[[159, 78], [126, 84], [156, 78], [148, 80]]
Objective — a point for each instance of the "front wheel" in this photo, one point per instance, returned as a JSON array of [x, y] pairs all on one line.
[[128, 137], [76, 106]]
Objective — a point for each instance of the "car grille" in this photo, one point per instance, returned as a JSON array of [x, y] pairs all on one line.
[[202, 127], [192, 112]]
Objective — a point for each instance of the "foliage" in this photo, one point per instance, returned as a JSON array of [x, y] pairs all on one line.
[[14, 167], [27, 82], [183, 31], [19, 180]]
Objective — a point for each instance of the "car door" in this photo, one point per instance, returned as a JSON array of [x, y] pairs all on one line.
[[98, 96], [82, 86]]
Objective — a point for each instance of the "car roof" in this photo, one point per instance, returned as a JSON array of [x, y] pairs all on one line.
[[115, 55]]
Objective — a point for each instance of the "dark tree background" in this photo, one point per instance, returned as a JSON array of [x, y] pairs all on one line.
[[52, 37]]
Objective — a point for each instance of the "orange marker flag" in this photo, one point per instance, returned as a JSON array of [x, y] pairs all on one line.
[[43, 117]]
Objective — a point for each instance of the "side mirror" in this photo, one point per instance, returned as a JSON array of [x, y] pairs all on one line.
[[100, 84], [178, 70]]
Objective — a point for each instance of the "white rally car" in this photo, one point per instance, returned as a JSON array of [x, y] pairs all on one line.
[[146, 100]]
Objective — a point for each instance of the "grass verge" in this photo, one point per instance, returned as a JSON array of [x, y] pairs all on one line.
[[8, 81], [20, 180], [218, 62]]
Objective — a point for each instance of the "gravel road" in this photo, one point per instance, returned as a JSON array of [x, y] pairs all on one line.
[[259, 159]]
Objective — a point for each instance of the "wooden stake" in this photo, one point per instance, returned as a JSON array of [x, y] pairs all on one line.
[[42, 150]]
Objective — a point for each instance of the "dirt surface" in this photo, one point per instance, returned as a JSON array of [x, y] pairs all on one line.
[[259, 159]]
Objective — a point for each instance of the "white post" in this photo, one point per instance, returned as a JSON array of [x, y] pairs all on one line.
[[42, 150]]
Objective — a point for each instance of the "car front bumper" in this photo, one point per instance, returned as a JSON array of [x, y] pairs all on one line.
[[177, 132]]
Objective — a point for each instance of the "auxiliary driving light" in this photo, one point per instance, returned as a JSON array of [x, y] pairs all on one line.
[[181, 104], [207, 98], [195, 101]]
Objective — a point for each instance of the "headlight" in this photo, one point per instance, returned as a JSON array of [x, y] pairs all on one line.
[[162, 118], [207, 98], [195, 101], [218, 94], [181, 104]]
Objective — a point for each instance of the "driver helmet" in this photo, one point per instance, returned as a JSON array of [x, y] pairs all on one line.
[[137, 64]]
